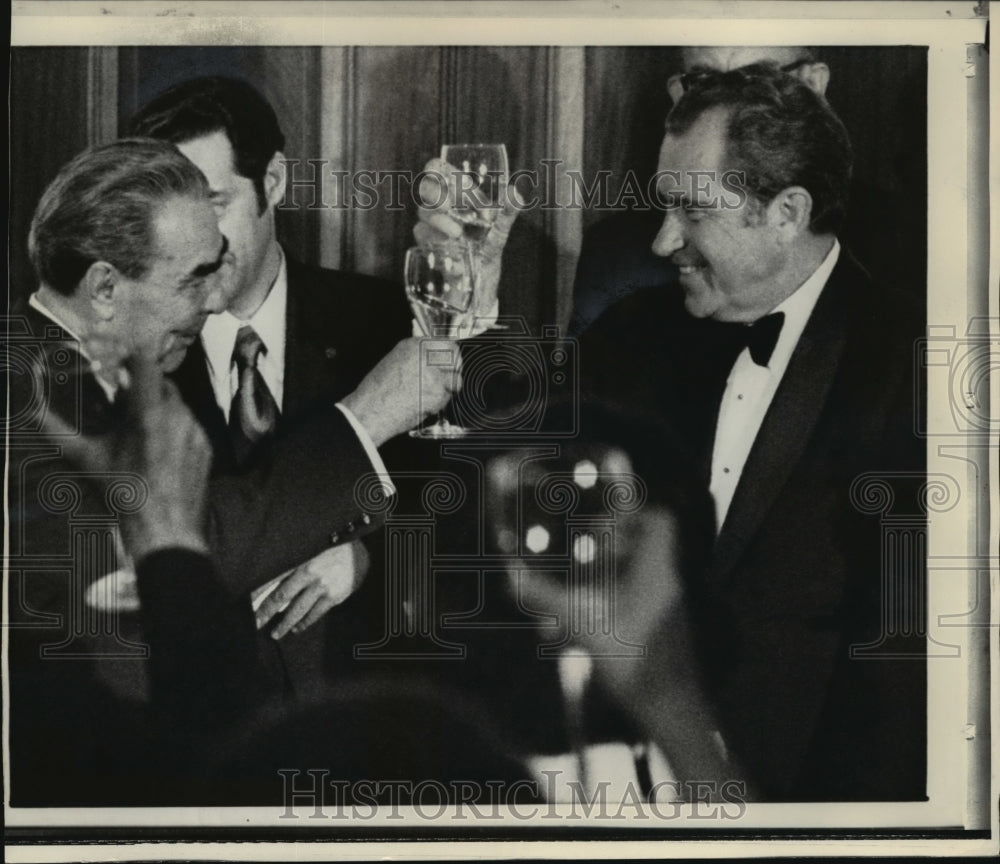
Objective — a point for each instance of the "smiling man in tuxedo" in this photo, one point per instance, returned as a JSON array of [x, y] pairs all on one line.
[[616, 258], [788, 376], [311, 334], [790, 373]]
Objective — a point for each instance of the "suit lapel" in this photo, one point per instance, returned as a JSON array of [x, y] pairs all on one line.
[[321, 338], [788, 424], [196, 387]]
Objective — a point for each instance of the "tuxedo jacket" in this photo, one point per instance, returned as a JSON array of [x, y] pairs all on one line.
[[795, 589], [338, 326]]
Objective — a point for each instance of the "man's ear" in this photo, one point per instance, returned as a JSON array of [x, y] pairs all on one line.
[[815, 76], [100, 287], [274, 179], [791, 211]]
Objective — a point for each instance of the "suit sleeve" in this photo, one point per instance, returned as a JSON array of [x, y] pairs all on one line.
[[304, 500]]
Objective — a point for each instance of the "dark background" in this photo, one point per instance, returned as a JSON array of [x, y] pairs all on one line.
[[391, 108]]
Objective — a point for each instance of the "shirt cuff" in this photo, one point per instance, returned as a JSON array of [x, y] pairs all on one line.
[[370, 450]]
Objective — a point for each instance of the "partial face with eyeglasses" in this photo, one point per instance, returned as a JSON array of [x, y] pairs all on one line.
[[793, 60]]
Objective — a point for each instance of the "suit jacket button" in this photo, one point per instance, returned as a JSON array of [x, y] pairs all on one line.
[[366, 519], [334, 538], [349, 528]]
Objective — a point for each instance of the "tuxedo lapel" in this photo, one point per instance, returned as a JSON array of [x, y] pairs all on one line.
[[788, 424]]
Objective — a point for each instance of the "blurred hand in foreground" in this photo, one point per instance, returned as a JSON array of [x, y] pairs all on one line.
[[157, 440], [664, 691]]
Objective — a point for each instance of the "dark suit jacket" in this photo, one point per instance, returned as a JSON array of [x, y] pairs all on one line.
[[338, 326], [796, 576], [72, 741], [73, 738], [228, 742]]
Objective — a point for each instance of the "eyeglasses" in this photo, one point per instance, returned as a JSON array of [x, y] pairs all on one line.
[[687, 80]]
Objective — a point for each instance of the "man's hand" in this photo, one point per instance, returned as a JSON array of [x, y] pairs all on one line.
[[648, 609], [663, 691], [436, 221], [314, 588], [415, 379], [158, 440]]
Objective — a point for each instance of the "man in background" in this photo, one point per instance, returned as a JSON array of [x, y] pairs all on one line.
[[310, 336]]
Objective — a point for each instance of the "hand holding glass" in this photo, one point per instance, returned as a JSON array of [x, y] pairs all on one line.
[[439, 286], [480, 185]]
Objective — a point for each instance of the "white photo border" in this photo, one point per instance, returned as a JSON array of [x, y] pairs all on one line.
[[957, 225]]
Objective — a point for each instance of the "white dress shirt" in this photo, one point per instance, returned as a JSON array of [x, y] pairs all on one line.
[[750, 389], [219, 339]]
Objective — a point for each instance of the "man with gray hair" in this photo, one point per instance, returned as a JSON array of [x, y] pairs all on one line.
[[127, 249], [125, 244]]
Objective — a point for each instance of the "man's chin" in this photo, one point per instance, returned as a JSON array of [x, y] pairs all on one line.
[[698, 304]]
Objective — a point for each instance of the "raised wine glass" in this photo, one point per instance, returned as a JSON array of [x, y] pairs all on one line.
[[479, 184], [439, 285]]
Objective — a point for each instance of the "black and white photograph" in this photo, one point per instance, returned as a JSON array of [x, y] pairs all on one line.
[[466, 429]]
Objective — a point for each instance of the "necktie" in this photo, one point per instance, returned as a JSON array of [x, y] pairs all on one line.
[[761, 337], [253, 413]]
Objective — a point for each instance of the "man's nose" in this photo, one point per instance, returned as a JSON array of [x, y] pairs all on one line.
[[670, 237]]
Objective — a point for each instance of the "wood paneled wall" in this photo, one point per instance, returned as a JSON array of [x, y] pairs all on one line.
[[390, 108]]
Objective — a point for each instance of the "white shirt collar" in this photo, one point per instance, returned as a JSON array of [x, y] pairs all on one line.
[[798, 306], [219, 338], [35, 302]]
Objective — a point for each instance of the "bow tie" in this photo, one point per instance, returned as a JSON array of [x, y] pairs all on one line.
[[761, 336]]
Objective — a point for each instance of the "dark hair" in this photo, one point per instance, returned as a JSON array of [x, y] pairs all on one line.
[[780, 133], [202, 106], [101, 206]]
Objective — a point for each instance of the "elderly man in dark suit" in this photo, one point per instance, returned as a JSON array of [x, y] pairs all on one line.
[[789, 375], [313, 335], [125, 241]]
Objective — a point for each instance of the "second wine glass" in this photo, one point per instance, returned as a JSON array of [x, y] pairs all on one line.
[[481, 175], [439, 286]]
